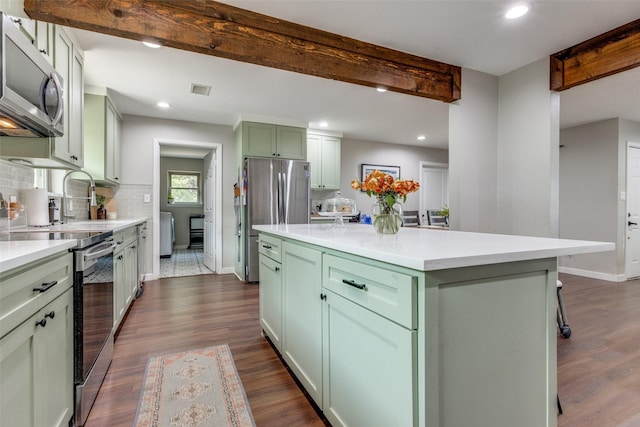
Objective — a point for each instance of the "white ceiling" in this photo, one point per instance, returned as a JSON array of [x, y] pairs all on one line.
[[471, 34]]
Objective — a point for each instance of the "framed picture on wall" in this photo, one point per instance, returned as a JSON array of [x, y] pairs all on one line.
[[394, 171]]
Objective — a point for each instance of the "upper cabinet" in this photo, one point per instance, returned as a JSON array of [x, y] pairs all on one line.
[[102, 138], [269, 140], [68, 62], [323, 153], [67, 151]]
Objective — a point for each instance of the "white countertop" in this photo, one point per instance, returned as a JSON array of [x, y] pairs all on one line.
[[114, 226], [19, 252], [425, 250]]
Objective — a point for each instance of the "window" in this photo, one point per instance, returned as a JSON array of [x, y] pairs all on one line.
[[184, 188]]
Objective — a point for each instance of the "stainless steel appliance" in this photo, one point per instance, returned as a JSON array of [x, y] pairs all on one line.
[[31, 91], [277, 192], [93, 319]]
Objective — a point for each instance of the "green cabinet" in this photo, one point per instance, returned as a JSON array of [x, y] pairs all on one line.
[[67, 151], [125, 273], [102, 139], [270, 268], [45, 39], [323, 154], [36, 344], [68, 61], [348, 329], [369, 321], [302, 315], [269, 140]]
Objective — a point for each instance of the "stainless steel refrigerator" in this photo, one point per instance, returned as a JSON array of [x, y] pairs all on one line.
[[277, 192]]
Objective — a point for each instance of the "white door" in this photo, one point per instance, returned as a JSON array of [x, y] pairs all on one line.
[[632, 268], [434, 191], [209, 235]]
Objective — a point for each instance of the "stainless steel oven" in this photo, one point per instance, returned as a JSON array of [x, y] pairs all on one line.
[[93, 330]]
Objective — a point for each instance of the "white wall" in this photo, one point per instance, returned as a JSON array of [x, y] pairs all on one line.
[[528, 139], [354, 153], [138, 134], [588, 187], [473, 130]]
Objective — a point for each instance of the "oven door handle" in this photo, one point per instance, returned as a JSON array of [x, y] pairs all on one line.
[[102, 252]]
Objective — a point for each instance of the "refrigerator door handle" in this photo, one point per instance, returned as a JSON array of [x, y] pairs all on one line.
[[280, 212]]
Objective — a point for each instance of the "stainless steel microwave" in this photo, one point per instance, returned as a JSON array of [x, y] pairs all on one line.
[[31, 91]]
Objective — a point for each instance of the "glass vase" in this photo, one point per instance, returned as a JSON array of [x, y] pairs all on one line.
[[386, 219]]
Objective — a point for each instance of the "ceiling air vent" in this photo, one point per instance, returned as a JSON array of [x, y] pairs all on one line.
[[200, 89]]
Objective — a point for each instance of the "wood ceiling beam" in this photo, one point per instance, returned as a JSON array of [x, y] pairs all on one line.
[[217, 29], [610, 53]]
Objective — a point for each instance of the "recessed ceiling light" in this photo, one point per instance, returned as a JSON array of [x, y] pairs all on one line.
[[421, 137], [517, 11], [381, 89], [152, 45], [323, 124], [163, 104]]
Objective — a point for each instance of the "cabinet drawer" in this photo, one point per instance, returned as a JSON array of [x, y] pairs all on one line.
[[124, 238], [386, 292], [271, 247], [19, 300]]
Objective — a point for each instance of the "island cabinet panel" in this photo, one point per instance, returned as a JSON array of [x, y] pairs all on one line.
[[270, 270], [369, 372], [302, 315], [496, 344], [382, 344]]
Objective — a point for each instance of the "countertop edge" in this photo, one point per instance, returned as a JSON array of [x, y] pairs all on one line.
[[24, 252], [524, 247]]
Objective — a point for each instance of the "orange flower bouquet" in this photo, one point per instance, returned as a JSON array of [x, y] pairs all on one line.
[[387, 216]]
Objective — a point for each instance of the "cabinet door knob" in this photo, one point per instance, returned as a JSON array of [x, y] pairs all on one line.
[[42, 323], [277, 269], [50, 314]]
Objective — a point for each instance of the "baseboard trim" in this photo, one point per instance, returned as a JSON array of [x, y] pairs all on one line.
[[592, 274], [226, 270]]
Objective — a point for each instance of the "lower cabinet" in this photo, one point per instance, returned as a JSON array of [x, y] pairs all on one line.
[[271, 299], [368, 368], [348, 333], [302, 316], [36, 362], [125, 273]]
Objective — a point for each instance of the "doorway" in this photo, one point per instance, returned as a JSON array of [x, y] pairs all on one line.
[[434, 188], [212, 194], [632, 247]]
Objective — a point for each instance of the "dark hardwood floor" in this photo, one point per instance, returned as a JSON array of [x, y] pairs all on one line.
[[598, 367], [182, 313]]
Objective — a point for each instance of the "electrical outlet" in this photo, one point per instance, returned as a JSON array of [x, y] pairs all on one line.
[[147, 198]]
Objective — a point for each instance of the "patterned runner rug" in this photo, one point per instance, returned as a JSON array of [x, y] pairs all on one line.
[[196, 388], [184, 262]]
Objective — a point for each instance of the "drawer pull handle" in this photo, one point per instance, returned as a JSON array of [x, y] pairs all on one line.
[[362, 287], [50, 314], [267, 246], [42, 323], [45, 286]]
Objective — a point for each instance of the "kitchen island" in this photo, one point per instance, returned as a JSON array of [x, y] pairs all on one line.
[[422, 328]]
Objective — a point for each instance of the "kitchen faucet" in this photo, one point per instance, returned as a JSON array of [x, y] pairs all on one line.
[[92, 198]]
